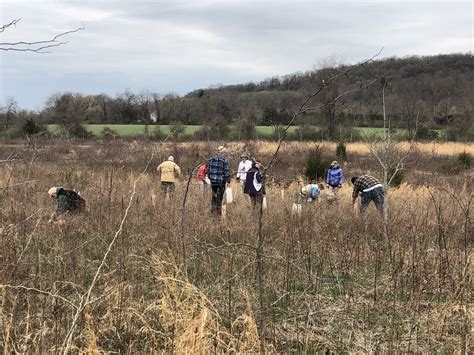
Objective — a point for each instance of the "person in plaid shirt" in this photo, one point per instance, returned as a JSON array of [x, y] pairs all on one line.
[[218, 174], [369, 189]]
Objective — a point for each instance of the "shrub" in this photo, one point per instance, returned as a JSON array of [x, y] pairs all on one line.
[[108, 133], [424, 133], [465, 159], [247, 129], [341, 152], [316, 164], [77, 130], [177, 130], [459, 133], [213, 130], [31, 127], [157, 134], [395, 177]]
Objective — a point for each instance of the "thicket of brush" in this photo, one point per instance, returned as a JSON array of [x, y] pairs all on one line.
[[176, 279]]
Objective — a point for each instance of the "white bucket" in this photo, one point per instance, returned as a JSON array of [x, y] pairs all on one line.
[[296, 208], [228, 195]]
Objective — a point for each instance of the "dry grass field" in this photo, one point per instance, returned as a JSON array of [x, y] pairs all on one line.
[[132, 278]]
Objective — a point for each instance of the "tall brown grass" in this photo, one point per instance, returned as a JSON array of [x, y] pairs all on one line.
[[332, 282]]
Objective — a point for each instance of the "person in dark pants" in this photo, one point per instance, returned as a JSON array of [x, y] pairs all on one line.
[[369, 189], [218, 174], [254, 186], [66, 201], [169, 171]]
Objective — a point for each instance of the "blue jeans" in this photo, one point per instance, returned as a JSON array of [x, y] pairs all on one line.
[[376, 195]]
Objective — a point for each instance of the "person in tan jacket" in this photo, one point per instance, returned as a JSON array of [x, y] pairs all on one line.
[[169, 171]]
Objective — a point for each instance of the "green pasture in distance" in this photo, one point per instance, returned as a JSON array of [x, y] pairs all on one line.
[[126, 129], [139, 129], [268, 130], [135, 129]]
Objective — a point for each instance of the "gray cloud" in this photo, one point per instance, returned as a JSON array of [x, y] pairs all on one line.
[[183, 45]]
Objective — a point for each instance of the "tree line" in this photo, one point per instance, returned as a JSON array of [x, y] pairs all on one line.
[[423, 93]]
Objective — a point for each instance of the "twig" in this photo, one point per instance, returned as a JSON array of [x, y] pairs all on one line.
[[21, 287], [12, 23]]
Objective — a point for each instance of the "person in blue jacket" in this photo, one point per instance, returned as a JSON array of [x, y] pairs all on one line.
[[335, 177], [310, 192]]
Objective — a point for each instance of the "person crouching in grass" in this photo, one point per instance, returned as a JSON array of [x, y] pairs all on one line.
[[66, 201], [310, 192], [369, 189]]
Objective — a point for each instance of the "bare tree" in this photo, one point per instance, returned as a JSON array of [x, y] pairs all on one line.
[[40, 46], [328, 68], [9, 112], [156, 111], [386, 150]]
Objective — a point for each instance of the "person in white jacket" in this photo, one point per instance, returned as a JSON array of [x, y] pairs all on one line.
[[244, 166]]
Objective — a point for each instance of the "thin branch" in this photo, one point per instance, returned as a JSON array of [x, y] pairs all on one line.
[[12, 23], [47, 293], [34, 46], [340, 96]]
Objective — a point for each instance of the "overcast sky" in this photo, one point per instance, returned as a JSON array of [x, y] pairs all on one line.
[[178, 46]]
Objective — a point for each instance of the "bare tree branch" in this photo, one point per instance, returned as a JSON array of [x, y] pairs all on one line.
[[12, 23], [34, 46]]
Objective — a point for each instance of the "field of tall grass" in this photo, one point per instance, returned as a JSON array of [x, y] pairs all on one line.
[[130, 277]]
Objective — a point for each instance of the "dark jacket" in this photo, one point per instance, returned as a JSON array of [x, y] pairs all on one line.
[[254, 182], [68, 200], [218, 170]]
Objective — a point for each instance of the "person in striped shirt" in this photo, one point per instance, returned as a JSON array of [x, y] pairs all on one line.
[[218, 173], [369, 189]]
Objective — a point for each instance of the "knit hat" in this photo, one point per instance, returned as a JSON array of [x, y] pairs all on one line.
[[52, 191], [171, 158]]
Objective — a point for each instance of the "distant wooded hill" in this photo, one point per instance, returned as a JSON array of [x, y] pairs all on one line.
[[431, 92]]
